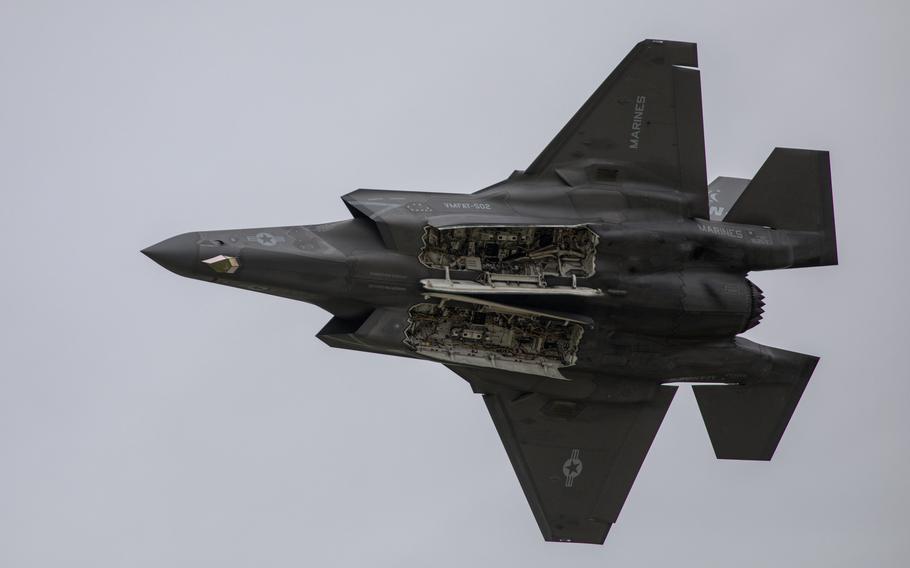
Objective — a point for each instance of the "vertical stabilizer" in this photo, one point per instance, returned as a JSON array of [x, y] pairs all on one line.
[[722, 195]]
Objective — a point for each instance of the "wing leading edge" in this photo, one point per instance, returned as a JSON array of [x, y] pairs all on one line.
[[576, 461]]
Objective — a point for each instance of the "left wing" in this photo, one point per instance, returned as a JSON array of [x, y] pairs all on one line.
[[576, 461]]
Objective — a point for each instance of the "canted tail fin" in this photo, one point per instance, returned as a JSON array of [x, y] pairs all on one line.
[[792, 192], [723, 193]]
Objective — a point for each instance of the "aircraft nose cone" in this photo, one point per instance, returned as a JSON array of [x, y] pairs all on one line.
[[178, 254]]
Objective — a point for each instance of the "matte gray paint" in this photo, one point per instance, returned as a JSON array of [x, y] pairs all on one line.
[[669, 292], [117, 455]]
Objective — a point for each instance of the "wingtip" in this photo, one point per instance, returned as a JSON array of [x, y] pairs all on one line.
[[683, 53]]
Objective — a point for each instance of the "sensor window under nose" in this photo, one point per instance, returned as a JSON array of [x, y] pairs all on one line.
[[223, 264]]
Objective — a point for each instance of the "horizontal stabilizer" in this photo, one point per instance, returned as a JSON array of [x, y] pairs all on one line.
[[792, 191], [746, 422]]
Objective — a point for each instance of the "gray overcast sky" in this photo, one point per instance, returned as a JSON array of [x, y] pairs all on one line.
[[149, 421]]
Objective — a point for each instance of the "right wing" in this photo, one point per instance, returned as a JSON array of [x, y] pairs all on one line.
[[576, 461], [644, 122]]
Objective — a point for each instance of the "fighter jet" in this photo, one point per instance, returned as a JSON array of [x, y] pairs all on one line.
[[570, 294]]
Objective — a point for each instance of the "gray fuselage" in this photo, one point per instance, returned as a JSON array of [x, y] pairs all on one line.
[[672, 291]]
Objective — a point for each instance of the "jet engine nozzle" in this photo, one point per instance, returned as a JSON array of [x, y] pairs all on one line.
[[758, 306]]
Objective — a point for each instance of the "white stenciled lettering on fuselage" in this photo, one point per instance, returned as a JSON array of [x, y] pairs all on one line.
[[721, 230], [638, 115], [466, 205]]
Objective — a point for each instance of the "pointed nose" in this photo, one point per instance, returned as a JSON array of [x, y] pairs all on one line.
[[178, 254]]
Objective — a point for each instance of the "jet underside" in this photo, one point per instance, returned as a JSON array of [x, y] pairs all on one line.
[[569, 294]]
